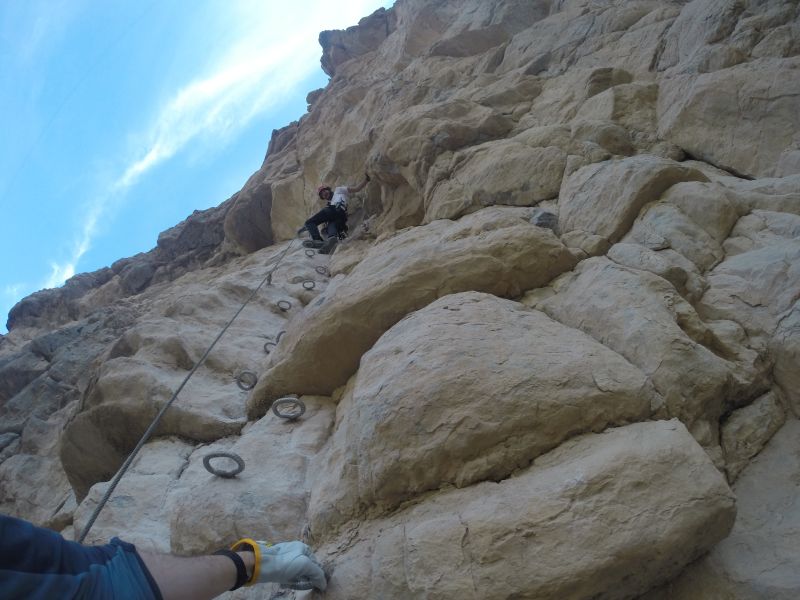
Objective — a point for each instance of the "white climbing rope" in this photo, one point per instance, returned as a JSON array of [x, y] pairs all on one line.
[[151, 428]]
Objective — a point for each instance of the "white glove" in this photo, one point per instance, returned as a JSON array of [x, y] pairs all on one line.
[[291, 564]]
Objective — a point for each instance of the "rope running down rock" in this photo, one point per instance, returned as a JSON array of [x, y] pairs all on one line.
[[151, 428]]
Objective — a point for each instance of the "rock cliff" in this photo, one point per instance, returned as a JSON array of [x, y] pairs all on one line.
[[557, 357]]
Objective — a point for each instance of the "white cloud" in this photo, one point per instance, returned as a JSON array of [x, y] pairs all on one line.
[[271, 50], [14, 290]]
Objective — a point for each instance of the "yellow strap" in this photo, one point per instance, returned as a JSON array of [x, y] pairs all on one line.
[[256, 547]]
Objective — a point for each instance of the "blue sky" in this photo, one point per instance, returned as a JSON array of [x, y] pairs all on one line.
[[119, 118]]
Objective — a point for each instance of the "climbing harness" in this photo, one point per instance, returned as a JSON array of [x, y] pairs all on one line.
[[284, 305], [309, 284], [220, 472], [288, 408], [246, 380], [152, 427]]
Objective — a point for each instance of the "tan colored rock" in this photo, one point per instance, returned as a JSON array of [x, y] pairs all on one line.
[[266, 501], [667, 222], [606, 134], [399, 276], [754, 288], [665, 263], [759, 559], [631, 106], [759, 228], [341, 46], [710, 206], [33, 484], [755, 104], [142, 370], [644, 318], [785, 348], [748, 430], [587, 520], [523, 177], [411, 140], [410, 422], [462, 102], [247, 226], [136, 511], [32, 487], [604, 198]]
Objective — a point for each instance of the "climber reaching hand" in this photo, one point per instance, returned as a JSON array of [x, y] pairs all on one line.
[[39, 564], [334, 214]]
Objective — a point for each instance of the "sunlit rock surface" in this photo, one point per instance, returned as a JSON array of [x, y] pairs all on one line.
[[565, 321]]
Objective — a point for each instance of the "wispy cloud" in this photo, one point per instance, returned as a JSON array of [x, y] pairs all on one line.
[[272, 52]]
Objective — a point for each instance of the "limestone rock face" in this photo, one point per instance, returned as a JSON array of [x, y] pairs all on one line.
[[142, 492], [748, 430], [268, 499], [583, 219], [653, 328], [759, 559], [144, 366], [475, 543], [479, 180], [605, 198], [411, 422], [772, 92], [398, 276], [341, 46]]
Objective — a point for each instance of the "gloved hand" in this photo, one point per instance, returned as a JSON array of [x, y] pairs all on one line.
[[291, 564]]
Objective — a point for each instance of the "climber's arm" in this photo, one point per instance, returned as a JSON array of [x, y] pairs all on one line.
[[360, 186], [201, 577]]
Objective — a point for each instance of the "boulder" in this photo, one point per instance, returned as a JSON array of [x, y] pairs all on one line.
[[605, 198], [759, 558], [755, 288], [754, 103], [399, 276], [410, 422], [603, 516], [747, 430], [524, 177], [247, 224], [666, 263], [643, 317]]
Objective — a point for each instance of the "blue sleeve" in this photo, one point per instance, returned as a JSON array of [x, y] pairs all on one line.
[[37, 563]]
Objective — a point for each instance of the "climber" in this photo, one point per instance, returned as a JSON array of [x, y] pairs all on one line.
[[39, 564], [334, 214]]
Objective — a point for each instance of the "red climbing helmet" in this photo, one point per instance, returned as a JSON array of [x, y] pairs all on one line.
[[323, 187]]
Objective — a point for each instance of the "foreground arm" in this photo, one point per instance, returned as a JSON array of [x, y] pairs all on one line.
[[38, 563], [200, 577], [289, 563]]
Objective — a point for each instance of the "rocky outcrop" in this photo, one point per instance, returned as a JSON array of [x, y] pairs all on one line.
[[340, 46], [412, 422], [758, 559], [399, 276], [564, 322], [186, 246], [600, 529]]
